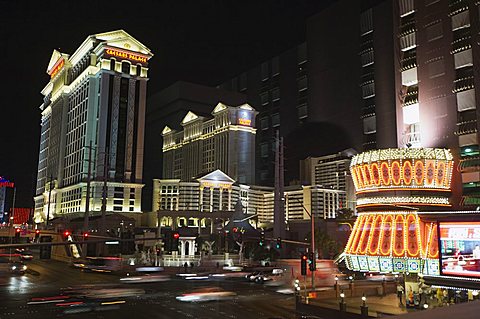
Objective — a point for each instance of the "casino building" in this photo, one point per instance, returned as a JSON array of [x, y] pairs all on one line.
[[95, 97], [226, 141], [405, 224]]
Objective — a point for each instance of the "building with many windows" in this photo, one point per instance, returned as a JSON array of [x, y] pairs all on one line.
[[93, 115], [395, 73], [168, 107], [331, 172], [225, 142], [199, 202]]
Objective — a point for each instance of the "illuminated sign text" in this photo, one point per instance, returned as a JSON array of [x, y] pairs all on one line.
[[243, 121], [57, 67], [126, 55]]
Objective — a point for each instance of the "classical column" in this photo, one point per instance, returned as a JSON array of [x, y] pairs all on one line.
[[220, 199], [211, 199], [230, 198], [182, 247], [191, 247], [201, 198]]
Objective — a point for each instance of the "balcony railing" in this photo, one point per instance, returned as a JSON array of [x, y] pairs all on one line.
[[463, 84], [466, 128], [471, 164]]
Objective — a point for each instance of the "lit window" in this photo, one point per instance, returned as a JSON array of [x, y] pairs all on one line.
[[461, 20]]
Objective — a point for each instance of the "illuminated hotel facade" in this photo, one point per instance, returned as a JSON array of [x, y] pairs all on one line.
[[225, 142], [194, 203], [96, 96], [405, 223]]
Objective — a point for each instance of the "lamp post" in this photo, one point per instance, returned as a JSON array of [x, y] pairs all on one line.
[[343, 305], [364, 307]]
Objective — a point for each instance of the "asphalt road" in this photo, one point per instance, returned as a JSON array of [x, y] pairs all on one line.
[[48, 278]]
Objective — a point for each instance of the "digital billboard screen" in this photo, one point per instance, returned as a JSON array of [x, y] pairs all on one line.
[[460, 249]]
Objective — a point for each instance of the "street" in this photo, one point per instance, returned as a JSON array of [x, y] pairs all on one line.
[[47, 278]]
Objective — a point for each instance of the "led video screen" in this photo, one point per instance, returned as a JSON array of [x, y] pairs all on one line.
[[460, 249]]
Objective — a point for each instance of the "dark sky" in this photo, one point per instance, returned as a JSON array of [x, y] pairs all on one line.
[[199, 41]]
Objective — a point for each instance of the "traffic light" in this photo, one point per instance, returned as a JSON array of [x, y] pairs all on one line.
[[303, 264], [17, 234], [66, 234], [312, 264], [279, 243], [37, 234], [262, 239], [175, 238]]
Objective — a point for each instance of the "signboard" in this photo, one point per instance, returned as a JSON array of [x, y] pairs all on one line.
[[354, 262], [386, 265], [460, 249], [6, 183], [128, 55]]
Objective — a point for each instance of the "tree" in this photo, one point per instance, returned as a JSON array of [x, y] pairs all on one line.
[[324, 244]]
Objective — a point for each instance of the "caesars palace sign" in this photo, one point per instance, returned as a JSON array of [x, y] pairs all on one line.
[[126, 55]]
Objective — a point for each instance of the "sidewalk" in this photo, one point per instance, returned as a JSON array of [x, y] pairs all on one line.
[[377, 305]]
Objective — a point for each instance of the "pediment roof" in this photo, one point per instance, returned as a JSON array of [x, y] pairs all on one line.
[[216, 176]]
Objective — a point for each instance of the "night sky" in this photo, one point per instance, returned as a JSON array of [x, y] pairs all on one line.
[[205, 42]]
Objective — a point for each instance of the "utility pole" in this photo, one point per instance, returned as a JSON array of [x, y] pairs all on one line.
[[87, 199], [279, 208], [49, 198], [104, 194], [312, 243]]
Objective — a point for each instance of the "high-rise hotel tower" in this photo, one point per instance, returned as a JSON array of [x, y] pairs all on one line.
[[96, 96]]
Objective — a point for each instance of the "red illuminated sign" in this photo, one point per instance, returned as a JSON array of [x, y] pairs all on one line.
[[6, 183], [57, 67], [126, 55]]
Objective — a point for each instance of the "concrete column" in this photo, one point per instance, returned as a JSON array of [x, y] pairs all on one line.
[[230, 199], [191, 247], [182, 247], [211, 226], [211, 199], [220, 199], [201, 198]]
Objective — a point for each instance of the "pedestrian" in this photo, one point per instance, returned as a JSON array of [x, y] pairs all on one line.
[[439, 296], [185, 266], [400, 291], [218, 265], [445, 297]]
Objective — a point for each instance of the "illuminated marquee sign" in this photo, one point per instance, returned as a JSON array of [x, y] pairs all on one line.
[[215, 185], [126, 55], [6, 183], [57, 67], [245, 122]]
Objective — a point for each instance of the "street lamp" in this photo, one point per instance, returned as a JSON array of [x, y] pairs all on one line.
[[343, 305], [364, 307]]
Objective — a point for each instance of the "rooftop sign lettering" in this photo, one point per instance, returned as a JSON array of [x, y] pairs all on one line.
[[126, 55]]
